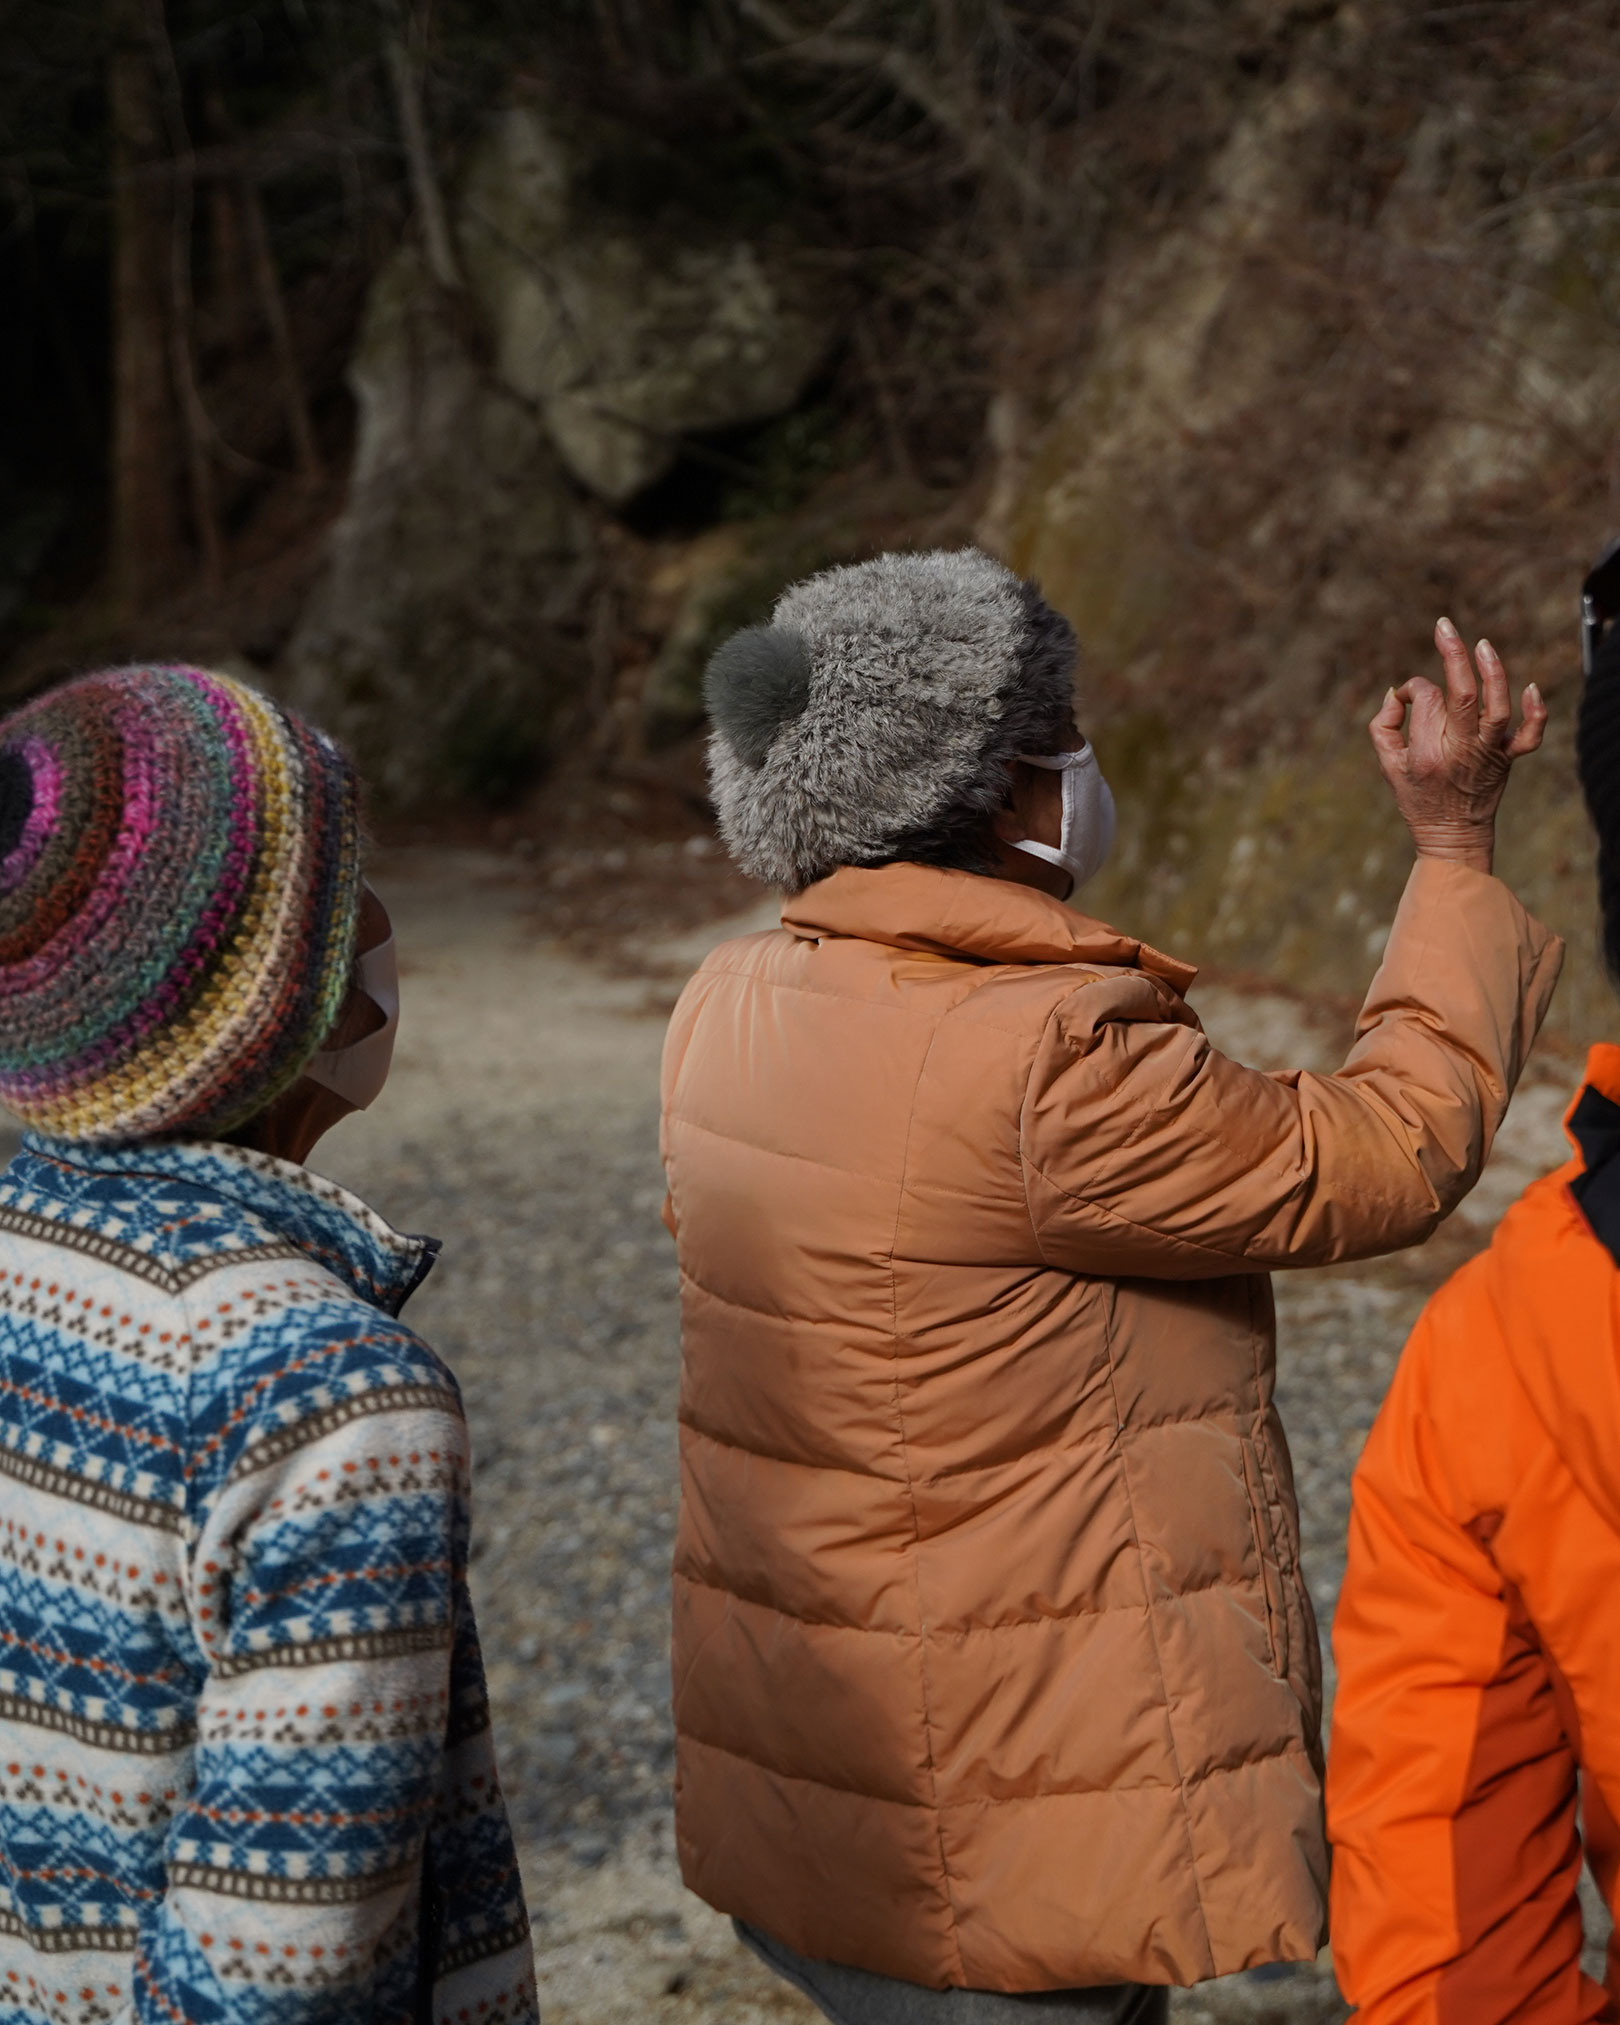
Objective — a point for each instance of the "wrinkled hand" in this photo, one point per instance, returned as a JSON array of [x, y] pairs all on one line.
[[1449, 764]]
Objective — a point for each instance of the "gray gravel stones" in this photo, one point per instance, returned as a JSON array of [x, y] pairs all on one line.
[[553, 1305], [1338, 1338]]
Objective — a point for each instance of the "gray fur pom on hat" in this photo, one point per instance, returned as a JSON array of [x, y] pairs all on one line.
[[875, 716]]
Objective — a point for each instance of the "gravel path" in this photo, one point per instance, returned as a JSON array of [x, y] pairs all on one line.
[[521, 1127]]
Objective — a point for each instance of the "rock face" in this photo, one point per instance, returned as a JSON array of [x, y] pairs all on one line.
[[443, 646], [627, 328], [1288, 443]]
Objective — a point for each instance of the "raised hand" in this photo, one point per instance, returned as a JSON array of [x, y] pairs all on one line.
[[1447, 761]]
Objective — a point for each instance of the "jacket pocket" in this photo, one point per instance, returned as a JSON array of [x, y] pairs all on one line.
[[1268, 1556]]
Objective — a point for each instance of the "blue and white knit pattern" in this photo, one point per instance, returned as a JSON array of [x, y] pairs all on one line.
[[245, 1763]]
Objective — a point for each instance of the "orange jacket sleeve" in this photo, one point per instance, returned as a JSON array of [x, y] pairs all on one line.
[[1147, 1151], [1451, 1775]]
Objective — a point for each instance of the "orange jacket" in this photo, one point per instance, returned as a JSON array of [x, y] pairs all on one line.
[[1478, 1631], [993, 1663]]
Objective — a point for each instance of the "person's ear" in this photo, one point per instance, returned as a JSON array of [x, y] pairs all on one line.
[[375, 925], [359, 1015], [1008, 824], [1012, 822]]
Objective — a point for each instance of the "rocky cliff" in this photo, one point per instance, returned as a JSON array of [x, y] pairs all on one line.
[[1359, 368], [601, 319], [1292, 431]]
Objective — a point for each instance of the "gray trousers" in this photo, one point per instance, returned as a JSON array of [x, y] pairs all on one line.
[[857, 1997]]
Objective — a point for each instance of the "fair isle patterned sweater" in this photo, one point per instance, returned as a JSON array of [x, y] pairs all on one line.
[[245, 1762]]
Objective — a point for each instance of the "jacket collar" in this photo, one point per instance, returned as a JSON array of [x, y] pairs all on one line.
[[1603, 1076], [1592, 1126], [964, 914], [334, 1228], [1556, 1298]]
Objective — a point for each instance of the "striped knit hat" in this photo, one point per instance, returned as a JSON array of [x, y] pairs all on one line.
[[179, 900]]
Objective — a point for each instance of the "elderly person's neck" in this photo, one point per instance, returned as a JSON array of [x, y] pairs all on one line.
[[1021, 869]]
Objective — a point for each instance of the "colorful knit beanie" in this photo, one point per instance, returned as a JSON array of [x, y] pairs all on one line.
[[179, 900]]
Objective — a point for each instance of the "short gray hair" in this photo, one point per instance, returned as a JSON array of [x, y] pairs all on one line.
[[874, 718]]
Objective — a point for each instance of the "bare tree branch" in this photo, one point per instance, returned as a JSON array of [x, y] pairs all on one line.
[[963, 118]]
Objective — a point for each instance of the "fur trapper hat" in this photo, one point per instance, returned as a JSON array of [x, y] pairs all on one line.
[[874, 718]]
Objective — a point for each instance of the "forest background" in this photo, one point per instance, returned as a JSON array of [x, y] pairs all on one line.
[[463, 370]]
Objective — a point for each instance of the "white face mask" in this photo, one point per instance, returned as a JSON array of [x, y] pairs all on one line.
[[1088, 815], [359, 1071]]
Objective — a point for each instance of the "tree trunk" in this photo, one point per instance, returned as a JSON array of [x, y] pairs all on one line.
[[267, 284], [197, 432], [148, 537], [228, 261]]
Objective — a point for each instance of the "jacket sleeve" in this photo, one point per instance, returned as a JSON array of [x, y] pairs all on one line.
[[1146, 1151], [327, 1602], [1451, 1776]]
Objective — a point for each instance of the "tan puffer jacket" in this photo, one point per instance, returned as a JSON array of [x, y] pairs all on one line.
[[993, 1663]]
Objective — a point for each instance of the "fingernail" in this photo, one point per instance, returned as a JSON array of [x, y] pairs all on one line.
[[1485, 647], [1445, 626], [1534, 689]]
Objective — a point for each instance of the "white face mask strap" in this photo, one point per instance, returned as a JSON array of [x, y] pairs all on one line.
[[1088, 815], [1052, 853], [358, 1072]]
